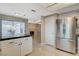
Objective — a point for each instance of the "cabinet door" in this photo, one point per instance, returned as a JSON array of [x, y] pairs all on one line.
[[10, 48], [29, 44], [50, 30], [10, 51], [0, 48], [26, 46]]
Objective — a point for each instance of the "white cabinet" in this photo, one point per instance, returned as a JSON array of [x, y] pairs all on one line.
[[10, 48], [50, 30], [26, 46], [0, 49], [11, 51], [16, 47]]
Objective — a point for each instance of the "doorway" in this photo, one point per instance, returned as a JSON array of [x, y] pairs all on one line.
[[35, 31]]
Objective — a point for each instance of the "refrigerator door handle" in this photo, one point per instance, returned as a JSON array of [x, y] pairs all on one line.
[[71, 40]]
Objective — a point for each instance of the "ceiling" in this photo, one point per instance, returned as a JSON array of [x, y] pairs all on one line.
[[32, 11]]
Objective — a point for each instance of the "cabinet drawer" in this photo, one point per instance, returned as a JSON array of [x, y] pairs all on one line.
[[24, 39], [7, 43], [28, 39]]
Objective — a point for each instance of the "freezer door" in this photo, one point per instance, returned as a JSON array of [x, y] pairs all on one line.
[[66, 28], [66, 38], [66, 45]]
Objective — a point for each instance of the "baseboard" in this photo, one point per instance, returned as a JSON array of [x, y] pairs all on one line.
[[43, 43]]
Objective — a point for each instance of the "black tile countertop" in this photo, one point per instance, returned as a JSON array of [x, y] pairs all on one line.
[[77, 35], [3, 39]]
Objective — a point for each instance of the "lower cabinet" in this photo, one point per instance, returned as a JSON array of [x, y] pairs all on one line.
[[11, 51], [16, 47], [26, 46], [10, 47]]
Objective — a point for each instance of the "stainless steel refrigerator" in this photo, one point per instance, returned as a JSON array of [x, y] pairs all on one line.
[[66, 35]]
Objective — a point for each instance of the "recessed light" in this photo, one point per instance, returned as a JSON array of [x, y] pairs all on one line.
[[16, 14], [24, 15], [33, 10]]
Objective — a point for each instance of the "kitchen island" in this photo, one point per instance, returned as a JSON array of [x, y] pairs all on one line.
[[16, 46]]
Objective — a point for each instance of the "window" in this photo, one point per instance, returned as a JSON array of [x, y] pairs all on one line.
[[12, 29]]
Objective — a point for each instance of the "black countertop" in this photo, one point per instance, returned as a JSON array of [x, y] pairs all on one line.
[[77, 35], [3, 39]]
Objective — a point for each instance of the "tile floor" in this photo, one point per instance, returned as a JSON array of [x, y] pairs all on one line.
[[46, 50]]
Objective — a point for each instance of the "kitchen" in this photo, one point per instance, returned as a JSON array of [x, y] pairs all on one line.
[[39, 29], [15, 38]]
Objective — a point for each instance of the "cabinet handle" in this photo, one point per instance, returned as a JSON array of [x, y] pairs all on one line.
[[0, 50], [11, 42], [20, 44], [26, 39]]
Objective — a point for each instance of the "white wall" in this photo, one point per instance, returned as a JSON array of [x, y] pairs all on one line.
[[50, 30], [42, 30]]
